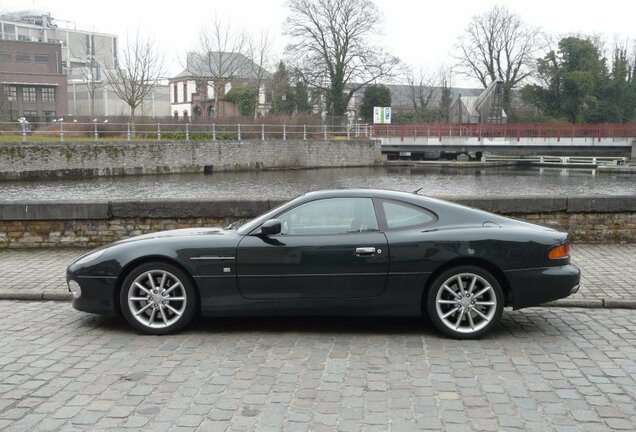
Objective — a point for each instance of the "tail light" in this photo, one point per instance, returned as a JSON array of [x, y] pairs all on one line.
[[560, 252]]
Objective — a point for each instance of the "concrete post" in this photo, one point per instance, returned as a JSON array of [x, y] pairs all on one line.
[[158, 131], [62, 131], [262, 132], [213, 131], [238, 128], [128, 133]]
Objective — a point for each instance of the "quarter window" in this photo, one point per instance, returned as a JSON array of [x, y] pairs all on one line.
[[330, 216], [400, 215]]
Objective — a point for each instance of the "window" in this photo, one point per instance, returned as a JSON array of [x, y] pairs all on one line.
[[400, 215], [23, 58], [48, 116], [185, 91], [30, 114], [5, 57], [10, 93], [175, 97], [28, 94], [24, 38], [48, 94], [330, 216], [41, 58]]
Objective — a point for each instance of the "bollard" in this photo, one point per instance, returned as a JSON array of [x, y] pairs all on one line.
[[238, 127], [61, 131], [187, 137], [96, 134], [128, 134], [23, 135], [284, 132], [213, 132], [348, 132], [325, 131], [262, 132], [158, 131], [304, 132]]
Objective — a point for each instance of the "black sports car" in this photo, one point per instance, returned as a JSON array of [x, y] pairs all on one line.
[[338, 252]]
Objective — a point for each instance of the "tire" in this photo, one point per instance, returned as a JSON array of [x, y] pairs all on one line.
[[468, 311], [158, 298]]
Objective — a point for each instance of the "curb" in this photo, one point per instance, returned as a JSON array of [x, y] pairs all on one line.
[[593, 304], [566, 303], [61, 297]]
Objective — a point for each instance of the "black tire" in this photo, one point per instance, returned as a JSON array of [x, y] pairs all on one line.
[[176, 285], [446, 309]]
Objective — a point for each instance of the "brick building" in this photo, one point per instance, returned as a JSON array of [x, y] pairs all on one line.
[[32, 79]]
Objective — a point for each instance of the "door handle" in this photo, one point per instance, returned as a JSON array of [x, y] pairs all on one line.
[[365, 251]]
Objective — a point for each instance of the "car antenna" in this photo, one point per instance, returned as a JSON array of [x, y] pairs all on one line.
[[416, 191]]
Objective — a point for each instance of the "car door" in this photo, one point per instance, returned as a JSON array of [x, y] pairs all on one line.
[[329, 248]]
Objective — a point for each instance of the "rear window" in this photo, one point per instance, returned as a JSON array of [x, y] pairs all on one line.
[[399, 215]]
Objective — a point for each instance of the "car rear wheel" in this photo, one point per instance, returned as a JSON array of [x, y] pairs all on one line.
[[158, 298], [465, 302]]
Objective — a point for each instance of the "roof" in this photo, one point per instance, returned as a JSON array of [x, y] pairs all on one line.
[[221, 63]]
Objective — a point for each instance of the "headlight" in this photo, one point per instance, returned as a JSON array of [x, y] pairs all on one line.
[[90, 257], [75, 288]]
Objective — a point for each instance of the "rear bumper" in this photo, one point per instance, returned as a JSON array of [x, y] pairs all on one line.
[[98, 294], [533, 287]]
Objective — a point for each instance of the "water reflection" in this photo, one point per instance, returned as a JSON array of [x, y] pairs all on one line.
[[436, 181]]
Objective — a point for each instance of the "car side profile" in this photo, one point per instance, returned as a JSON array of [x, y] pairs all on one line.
[[335, 252]]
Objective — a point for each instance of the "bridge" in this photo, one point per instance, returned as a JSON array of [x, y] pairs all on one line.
[[420, 140]]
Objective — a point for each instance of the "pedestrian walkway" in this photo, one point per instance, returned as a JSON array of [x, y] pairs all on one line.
[[608, 274]]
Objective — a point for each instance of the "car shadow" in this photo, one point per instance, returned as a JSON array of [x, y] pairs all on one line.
[[511, 327]]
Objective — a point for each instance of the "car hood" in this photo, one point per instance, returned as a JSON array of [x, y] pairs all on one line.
[[184, 232]]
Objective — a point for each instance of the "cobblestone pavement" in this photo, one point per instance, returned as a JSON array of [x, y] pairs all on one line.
[[543, 369], [608, 272]]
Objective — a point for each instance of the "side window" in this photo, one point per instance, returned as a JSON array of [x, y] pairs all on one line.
[[330, 216], [400, 215]]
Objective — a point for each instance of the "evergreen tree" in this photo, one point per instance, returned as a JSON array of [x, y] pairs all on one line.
[[282, 94], [374, 96]]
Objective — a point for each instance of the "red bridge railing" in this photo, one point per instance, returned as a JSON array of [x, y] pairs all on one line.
[[441, 130]]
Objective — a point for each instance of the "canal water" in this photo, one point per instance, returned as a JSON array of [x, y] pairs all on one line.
[[499, 182]]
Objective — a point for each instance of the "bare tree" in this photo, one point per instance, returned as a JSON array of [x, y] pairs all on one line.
[[259, 54], [220, 57], [422, 86], [498, 44], [139, 71], [331, 46]]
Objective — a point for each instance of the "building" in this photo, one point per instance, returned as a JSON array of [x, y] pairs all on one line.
[[83, 52], [33, 81], [487, 107], [192, 92]]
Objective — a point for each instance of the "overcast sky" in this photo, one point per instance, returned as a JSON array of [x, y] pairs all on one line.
[[420, 32]]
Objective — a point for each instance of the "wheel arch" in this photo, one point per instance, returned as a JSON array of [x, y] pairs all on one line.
[[130, 266], [477, 262]]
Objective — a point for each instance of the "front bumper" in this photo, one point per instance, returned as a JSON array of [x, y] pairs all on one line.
[[533, 287], [97, 294]]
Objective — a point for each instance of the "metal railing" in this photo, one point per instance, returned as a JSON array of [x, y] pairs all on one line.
[[98, 131], [514, 131], [61, 131]]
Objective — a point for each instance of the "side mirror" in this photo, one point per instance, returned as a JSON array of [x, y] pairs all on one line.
[[270, 227]]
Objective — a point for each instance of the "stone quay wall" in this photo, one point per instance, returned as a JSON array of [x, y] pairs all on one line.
[[88, 224], [84, 159]]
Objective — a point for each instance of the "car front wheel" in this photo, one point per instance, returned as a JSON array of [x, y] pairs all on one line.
[[158, 298], [465, 302]]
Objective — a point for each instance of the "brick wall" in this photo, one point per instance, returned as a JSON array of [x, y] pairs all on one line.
[[590, 220], [52, 160]]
